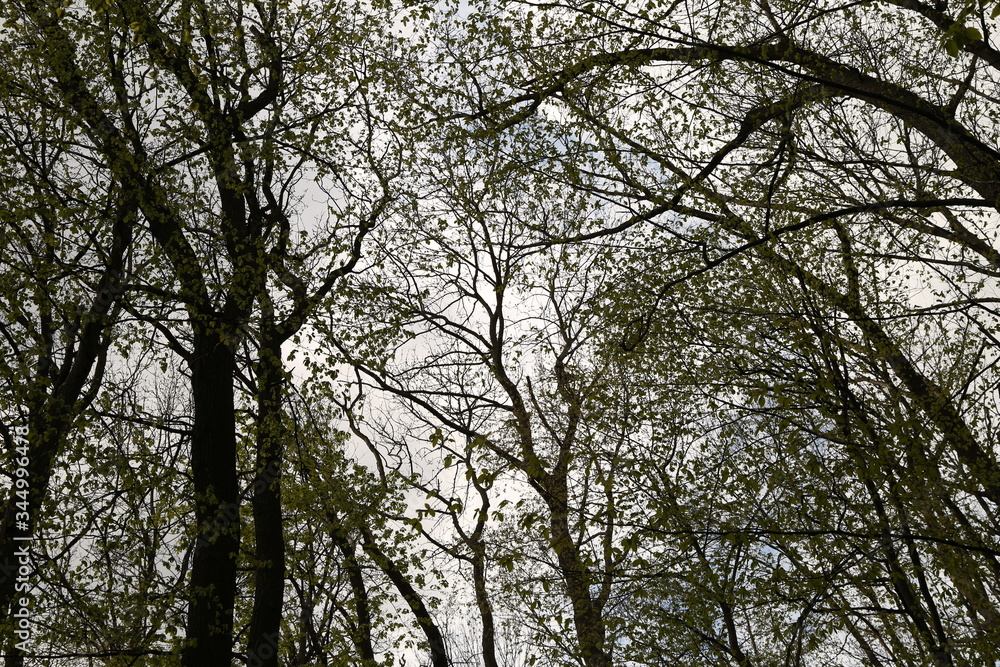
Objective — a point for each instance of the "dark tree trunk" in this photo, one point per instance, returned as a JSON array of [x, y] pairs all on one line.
[[269, 576], [217, 506], [485, 609], [362, 634], [435, 640]]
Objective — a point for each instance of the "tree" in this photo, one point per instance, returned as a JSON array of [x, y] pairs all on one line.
[[207, 116], [494, 363], [667, 331], [842, 146], [62, 291]]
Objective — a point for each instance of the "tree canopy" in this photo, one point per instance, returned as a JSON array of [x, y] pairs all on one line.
[[499, 333]]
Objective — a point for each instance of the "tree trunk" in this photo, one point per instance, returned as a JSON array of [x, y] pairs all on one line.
[[217, 506], [269, 575]]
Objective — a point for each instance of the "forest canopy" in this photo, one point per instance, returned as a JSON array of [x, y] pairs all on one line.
[[499, 333]]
